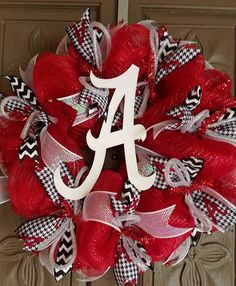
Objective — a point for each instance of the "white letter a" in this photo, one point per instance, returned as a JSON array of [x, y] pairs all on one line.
[[125, 87]]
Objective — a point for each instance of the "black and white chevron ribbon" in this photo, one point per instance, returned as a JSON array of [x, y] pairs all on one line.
[[99, 34], [23, 91], [230, 113], [184, 112], [193, 165], [129, 199], [194, 98], [60, 273], [64, 256], [29, 148], [167, 46]]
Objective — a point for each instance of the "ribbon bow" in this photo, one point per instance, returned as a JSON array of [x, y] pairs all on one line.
[[25, 105], [53, 230], [91, 40], [120, 214]]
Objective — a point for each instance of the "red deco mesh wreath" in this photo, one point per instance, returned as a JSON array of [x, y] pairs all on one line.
[[180, 128]]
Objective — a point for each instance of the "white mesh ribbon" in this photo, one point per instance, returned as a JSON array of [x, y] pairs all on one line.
[[154, 223], [101, 40], [97, 207], [80, 276], [53, 153]]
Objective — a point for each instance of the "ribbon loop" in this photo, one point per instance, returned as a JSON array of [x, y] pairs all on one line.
[[181, 177]]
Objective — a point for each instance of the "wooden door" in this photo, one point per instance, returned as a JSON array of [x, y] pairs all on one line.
[[31, 27]]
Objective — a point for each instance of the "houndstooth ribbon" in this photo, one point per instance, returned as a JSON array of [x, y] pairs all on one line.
[[167, 46], [80, 36], [25, 104], [56, 232], [219, 212], [132, 259], [90, 97], [178, 56]]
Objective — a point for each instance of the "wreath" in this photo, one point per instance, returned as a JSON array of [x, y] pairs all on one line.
[[166, 122]]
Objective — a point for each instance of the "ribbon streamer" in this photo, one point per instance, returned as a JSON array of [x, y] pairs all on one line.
[[97, 207]]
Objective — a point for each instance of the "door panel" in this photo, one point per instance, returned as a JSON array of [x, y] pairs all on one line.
[[212, 25]]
